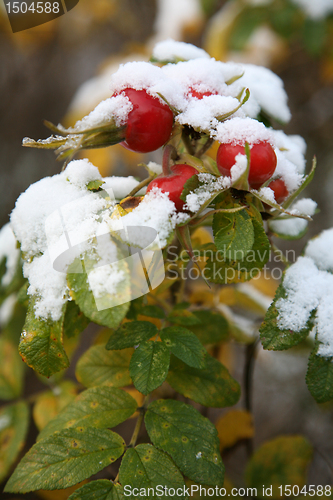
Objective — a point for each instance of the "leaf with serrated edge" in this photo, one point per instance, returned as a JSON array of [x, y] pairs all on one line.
[[75, 321], [65, 458], [14, 421], [83, 296], [184, 345], [99, 407], [275, 338], [130, 334], [212, 386], [282, 461], [98, 366], [188, 437], [149, 366], [102, 489], [233, 234], [319, 377], [41, 343], [146, 467]]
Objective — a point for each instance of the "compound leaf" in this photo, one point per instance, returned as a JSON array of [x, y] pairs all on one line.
[[149, 366], [184, 345], [130, 334]]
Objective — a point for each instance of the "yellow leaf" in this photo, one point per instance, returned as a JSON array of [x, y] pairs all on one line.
[[60, 494], [234, 426], [49, 404]]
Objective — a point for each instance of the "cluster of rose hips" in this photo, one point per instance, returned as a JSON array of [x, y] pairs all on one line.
[[149, 126]]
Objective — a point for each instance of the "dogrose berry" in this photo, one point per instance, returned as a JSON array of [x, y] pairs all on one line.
[[174, 183], [279, 189], [262, 161], [149, 124]]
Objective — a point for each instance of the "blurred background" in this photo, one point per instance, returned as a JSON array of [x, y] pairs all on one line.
[[59, 71]]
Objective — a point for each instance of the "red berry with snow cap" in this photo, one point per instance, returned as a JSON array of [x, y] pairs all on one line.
[[262, 161], [280, 190], [149, 123], [173, 184]]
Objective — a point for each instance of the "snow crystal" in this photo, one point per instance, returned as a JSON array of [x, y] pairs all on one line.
[[240, 130], [201, 114], [210, 185], [116, 108], [7, 309], [155, 167], [317, 9], [155, 211], [288, 171], [9, 251], [144, 75], [267, 194], [293, 148], [121, 186], [266, 88], [294, 226], [81, 172], [320, 250], [105, 280], [308, 288], [170, 50]]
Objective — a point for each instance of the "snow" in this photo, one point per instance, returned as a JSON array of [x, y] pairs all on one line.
[[121, 186], [114, 108], [173, 51], [293, 148], [156, 211], [288, 171], [317, 9], [209, 185], [295, 226], [266, 88], [9, 251], [240, 130], [155, 168], [267, 194], [309, 288], [175, 15], [320, 250], [57, 217]]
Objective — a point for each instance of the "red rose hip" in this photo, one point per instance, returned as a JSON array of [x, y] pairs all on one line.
[[149, 124], [280, 190], [262, 161], [174, 183]]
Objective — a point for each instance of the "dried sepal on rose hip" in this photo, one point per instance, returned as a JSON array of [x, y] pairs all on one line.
[[262, 161], [173, 184]]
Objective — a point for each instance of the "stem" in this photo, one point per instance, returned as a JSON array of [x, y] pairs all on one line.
[[139, 421], [141, 185], [248, 380], [169, 155], [212, 212], [205, 147]]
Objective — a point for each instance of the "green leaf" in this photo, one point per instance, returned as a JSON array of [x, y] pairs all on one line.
[[95, 185], [41, 343], [149, 366], [84, 297], [282, 461], [75, 321], [212, 386], [99, 407], [98, 366], [183, 317], [102, 489], [65, 458], [188, 437], [233, 234], [11, 370], [224, 271], [14, 421], [130, 334], [275, 338], [146, 467], [184, 345], [213, 328], [153, 312], [319, 377]]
